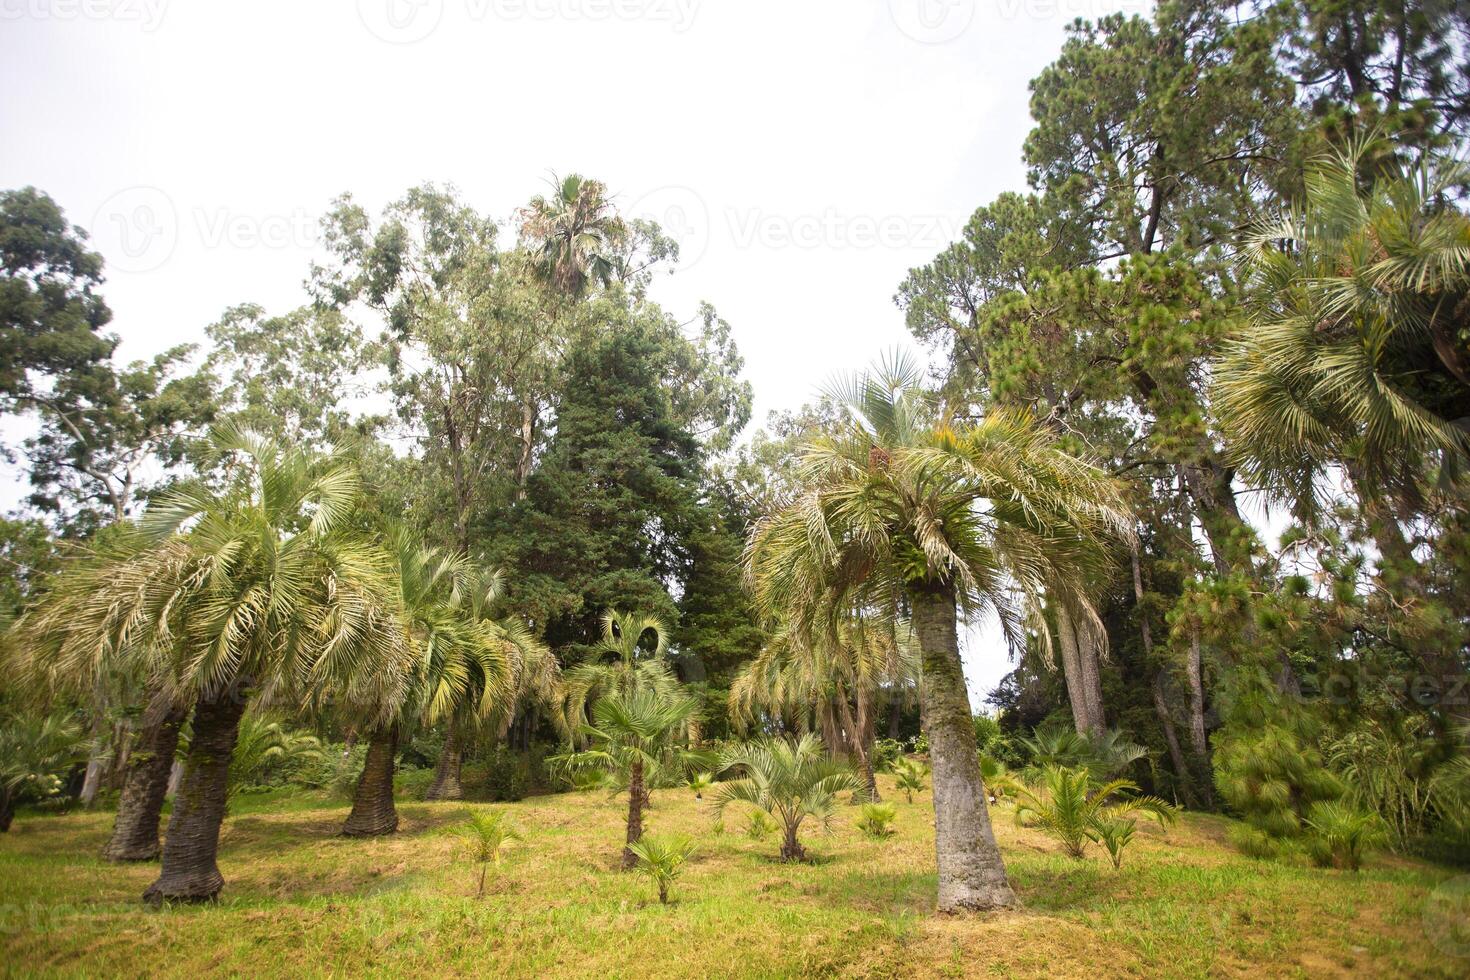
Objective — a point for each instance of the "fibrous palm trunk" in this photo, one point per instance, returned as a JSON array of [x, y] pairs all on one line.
[[791, 849], [190, 849], [636, 798], [972, 874], [446, 784], [373, 813], [135, 832]]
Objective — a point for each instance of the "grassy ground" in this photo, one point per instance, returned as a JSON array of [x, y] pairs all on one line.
[[301, 901]]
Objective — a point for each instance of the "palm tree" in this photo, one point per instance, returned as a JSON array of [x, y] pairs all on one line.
[[790, 780], [661, 860], [909, 776], [631, 652], [145, 782], [492, 837], [1356, 351], [839, 679], [34, 755], [904, 510], [259, 587], [573, 234], [1075, 809], [633, 736]]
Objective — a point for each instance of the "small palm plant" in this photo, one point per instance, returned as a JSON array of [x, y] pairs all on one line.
[[790, 780], [910, 776], [661, 860], [1115, 834], [1342, 835], [699, 782], [758, 826], [876, 820], [492, 837], [34, 758], [1072, 809]]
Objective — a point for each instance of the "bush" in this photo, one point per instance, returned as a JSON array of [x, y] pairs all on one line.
[[661, 860], [886, 751], [412, 782], [1254, 842], [507, 776], [987, 732], [759, 826], [910, 777], [1341, 836], [876, 820]]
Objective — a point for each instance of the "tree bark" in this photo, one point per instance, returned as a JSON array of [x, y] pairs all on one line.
[[1197, 739], [861, 746], [1085, 701], [135, 832], [92, 782], [1171, 738], [446, 785], [175, 777], [373, 813], [7, 809], [972, 874], [791, 849], [635, 815], [190, 872]]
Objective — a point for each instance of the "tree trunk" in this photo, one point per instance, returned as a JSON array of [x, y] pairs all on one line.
[[373, 814], [791, 849], [972, 874], [175, 777], [635, 815], [895, 717], [860, 746], [1085, 701], [7, 809], [1197, 740], [1171, 738], [446, 785], [190, 872], [92, 782], [135, 832]]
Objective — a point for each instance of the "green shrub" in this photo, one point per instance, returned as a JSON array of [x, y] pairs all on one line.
[[758, 826], [412, 782], [507, 776], [876, 820], [491, 838], [910, 775], [1341, 836], [1254, 842], [1115, 834], [886, 751]]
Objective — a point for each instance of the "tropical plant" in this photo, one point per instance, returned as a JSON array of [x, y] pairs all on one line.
[[909, 776], [491, 836], [1103, 756], [699, 782], [876, 820], [1341, 835], [1115, 834], [634, 647], [574, 234], [759, 825], [34, 756], [265, 746], [1357, 352], [790, 780], [902, 507], [661, 860], [259, 582], [633, 738], [1071, 807], [830, 683]]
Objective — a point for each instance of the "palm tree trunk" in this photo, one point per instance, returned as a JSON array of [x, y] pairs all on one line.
[[791, 849], [972, 874], [860, 746], [175, 777], [190, 872], [373, 813], [446, 785], [135, 832], [635, 815], [1086, 702]]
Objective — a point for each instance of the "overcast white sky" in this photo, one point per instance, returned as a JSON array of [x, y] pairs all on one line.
[[806, 152]]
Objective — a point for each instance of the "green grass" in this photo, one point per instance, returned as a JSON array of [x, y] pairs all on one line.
[[301, 901]]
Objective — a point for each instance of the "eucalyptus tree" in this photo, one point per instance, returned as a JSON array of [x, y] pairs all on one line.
[[259, 586], [902, 507]]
